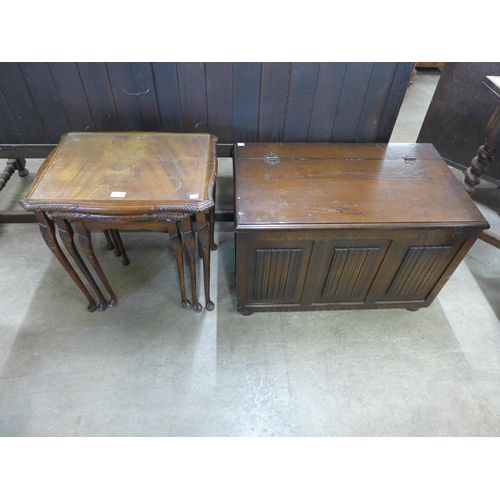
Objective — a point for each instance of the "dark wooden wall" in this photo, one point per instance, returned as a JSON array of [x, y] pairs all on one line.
[[322, 102], [458, 113]]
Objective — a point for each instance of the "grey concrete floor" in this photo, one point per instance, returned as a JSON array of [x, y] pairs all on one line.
[[150, 368]]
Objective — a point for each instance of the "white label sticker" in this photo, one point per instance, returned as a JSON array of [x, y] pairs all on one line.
[[118, 194], [241, 143], [194, 196]]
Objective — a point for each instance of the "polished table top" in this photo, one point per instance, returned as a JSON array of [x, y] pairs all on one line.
[[124, 173]]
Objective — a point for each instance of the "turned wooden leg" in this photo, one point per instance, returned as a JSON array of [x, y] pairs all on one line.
[[189, 247], [109, 242], [47, 228], [485, 156], [85, 240], [204, 237], [176, 240], [485, 153], [67, 236], [118, 241], [13, 165]]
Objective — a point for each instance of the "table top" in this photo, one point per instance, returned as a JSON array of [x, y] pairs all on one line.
[[316, 185], [126, 172]]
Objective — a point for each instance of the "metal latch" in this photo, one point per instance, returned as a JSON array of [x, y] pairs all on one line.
[[409, 159], [272, 159]]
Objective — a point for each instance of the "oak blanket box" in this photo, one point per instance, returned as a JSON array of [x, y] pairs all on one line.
[[347, 226]]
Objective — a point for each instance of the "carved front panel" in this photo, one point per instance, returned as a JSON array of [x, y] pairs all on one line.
[[419, 271], [277, 272], [350, 274]]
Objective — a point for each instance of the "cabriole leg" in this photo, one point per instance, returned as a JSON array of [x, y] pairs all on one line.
[[47, 228], [189, 246], [67, 236], [176, 240], [204, 239], [85, 239]]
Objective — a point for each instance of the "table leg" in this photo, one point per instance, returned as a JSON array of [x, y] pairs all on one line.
[[213, 246], [119, 244], [176, 240], [48, 231], [109, 242], [204, 239], [189, 245], [485, 153], [85, 239], [67, 236]]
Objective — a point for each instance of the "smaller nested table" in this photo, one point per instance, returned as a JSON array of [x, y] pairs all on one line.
[[128, 181]]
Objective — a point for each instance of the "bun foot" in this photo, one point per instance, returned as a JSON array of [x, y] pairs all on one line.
[[198, 307], [125, 261], [91, 307], [102, 306], [210, 306], [186, 304], [113, 303]]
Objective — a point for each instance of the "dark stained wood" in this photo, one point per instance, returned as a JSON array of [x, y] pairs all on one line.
[[46, 98], [193, 96], [12, 166], [9, 131], [273, 98], [394, 101], [486, 153], [89, 167], [357, 226], [246, 92], [69, 87], [47, 228], [167, 95], [220, 99], [303, 76], [235, 101], [352, 98], [458, 115], [326, 99], [238, 102], [20, 102], [128, 181], [134, 95], [375, 101], [95, 80], [339, 177]]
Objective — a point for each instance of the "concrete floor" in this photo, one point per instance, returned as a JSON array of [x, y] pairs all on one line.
[[150, 368]]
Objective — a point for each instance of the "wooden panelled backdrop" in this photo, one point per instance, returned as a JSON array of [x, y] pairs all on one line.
[[238, 102]]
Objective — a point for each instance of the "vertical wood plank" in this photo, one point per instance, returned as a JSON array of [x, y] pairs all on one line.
[[167, 96], [397, 93], [46, 98], [354, 88], [273, 100], [220, 100], [376, 98], [20, 102], [246, 92], [326, 101], [193, 94], [9, 131], [135, 97], [99, 95], [303, 78], [72, 95]]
